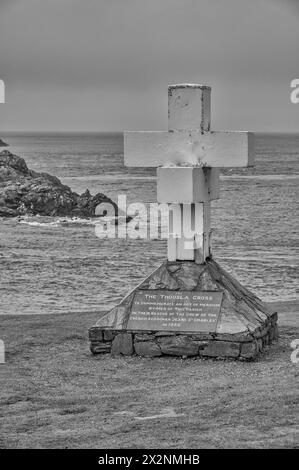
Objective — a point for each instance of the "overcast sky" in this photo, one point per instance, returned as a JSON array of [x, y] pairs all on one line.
[[105, 64]]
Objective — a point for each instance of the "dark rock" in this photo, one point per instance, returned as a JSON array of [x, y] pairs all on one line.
[[188, 283], [272, 333], [173, 268], [164, 333], [260, 344], [143, 337], [202, 336], [202, 344], [235, 337], [3, 144], [249, 350], [23, 191], [100, 348], [164, 281], [95, 334], [178, 346], [266, 340], [108, 335], [122, 344], [260, 332], [147, 349], [221, 349]]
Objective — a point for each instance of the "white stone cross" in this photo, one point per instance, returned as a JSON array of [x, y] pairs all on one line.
[[188, 157]]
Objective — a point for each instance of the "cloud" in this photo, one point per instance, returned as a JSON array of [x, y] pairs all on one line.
[[137, 47]]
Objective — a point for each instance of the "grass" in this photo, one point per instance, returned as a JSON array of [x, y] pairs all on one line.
[[55, 394]]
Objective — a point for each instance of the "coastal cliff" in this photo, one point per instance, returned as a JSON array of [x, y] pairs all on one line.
[[23, 191], [3, 144]]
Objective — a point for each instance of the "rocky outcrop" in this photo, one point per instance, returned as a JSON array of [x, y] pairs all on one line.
[[3, 144], [23, 191]]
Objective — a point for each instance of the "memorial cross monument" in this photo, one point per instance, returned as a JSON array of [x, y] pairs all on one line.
[[189, 306], [188, 158]]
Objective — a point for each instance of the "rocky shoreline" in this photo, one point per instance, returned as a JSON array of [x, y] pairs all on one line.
[[26, 192]]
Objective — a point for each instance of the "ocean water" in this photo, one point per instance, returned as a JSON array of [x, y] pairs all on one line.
[[51, 265]]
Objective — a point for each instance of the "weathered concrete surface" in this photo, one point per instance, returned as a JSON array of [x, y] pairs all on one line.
[[187, 184], [189, 107], [211, 149]]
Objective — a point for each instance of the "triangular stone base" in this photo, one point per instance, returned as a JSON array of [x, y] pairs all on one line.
[[244, 327]]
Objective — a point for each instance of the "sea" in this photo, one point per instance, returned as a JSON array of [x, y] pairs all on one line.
[[58, 265]]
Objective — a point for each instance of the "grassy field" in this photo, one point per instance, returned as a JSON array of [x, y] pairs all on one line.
[[55, 394]]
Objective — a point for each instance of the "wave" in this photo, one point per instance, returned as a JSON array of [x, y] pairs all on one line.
[[40, 224], [54, 222], [120, 177]]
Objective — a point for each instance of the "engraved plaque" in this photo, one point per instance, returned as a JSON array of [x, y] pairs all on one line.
[[183, 311]]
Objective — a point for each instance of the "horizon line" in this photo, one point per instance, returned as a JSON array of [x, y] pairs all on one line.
[[32, 131]]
